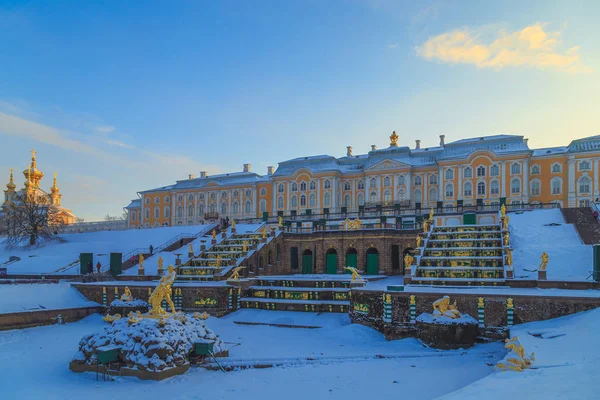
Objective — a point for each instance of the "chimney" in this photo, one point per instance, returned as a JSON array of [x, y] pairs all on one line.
[[525, 141], [442, 137], [191, 176], [246, 167], [349, 151], [373, 147], [270, 170], [203, 174], [418, 144]]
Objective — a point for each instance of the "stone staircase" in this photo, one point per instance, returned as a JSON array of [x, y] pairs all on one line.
[[298, 293], [586, 225], [461, 255]]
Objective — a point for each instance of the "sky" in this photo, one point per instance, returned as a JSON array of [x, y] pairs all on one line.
[[119, 97]]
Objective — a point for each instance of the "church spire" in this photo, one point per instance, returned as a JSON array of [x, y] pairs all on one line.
[[11, 184], [32, 174], [54, 192]]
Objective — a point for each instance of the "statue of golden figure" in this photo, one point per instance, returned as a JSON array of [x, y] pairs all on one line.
[[506, 239], [425, 226], [141, 261], [160, 262], [127, 296], [503, 211], [235, 275], [245, 246], [218, 260], [443, 308], [516, 359], [505, 223], [214, 234], [418, 241], [431, 214], [509, 303], [163, 291], [544, 261], [355, 275], [408, 259], [264, 232], [191, 249], [232, 223], [509, 257], [280, 221]]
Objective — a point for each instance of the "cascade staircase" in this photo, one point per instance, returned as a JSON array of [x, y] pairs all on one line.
[[462, 255], [586, 225], [299, 294]]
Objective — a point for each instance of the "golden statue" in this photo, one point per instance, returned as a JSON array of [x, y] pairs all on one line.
[[394, 139], [503, 211], [232, 223], [509, 260], [163, 292], [191, 249], [516, 359], [110, 318], [280, 221], [509, 303], [506, 239], [505, 223], [353, 224], [245, 246], [127, 296], [355, 275], [218, 260], [141, 261], [264, 232], [418, 241], [480, 302], [544, 261], [160, 263], [235, 275], [413, 299], [408, 260], [443, 308], [425, 226], [214, 234], [431, 214]]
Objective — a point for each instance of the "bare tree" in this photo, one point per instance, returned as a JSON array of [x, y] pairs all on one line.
[[122, 217], [31, 218], [79, 220]]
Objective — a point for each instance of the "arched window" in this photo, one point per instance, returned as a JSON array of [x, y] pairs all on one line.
[[449, 190], [347, 185], [213, 196], [180, 197], [263, 206], [361, 185], [418, 196], [223, 195], [535, 187], [468, 190], [236, 194], [132, 215], [535, 169], [190, 211], [494, 187], [515, 169], [280, 188], [418, 180], [179, 212], [200, 210], [585, 185], [248, 193], [280, 202], [303, 186], [585, 165], [433, 179], [303, 201], [212, 208], [495, 170], [294, 201], [313, 185], [387, 181], [167, 212], [556, 185], [401, 194], [201, 196], [347, 200], [294, 187], [312, 200], [327, 200], [263, 192], [433, 195], [373, 183], [327, 184], [156, 212], [167, 199], [235, 207], [147, 201], [223, 208], [361, 199], [248, 207], [190, 197], [373, 197], [556, 168], [387, 197], [401, 180], [467, 173], [481, 189], [157, 200], [515, 186], [449, 173], [481, 171]]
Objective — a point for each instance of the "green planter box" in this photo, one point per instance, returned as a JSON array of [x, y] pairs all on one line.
[[203, 347], [395, 288], [108, 354]]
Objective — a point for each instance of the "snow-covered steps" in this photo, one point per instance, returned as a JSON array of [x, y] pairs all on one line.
[[295, 305]]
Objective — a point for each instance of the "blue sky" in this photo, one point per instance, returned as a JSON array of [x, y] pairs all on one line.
[[124, 96]]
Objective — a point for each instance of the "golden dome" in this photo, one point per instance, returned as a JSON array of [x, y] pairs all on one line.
[[11, 185], [32, 174], [394, 139]]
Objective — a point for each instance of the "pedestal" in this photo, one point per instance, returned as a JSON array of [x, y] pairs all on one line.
[[178, 261], [141, 271], [203, 247], [541, 275], [408, 272], [447, 333], [232, 261], [223, 235], [233, 230], [190, 255], [273, 232], [213, 241], [509, 274], [357, 283], [161, 271], [281, 228]]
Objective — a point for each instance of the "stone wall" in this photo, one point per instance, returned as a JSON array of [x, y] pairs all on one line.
[[526, 309], [45, 317]]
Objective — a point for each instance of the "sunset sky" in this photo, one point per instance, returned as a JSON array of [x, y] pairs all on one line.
[[120, 96]]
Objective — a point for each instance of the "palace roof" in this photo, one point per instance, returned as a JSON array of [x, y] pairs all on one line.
[[591, 143], [234, 178], [137, 203]]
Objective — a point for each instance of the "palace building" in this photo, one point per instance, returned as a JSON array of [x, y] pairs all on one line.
[[489, 170], [33, 177]]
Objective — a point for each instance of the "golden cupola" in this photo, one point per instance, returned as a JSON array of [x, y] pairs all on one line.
[[54, 192], [394, 139], [33, 176], [11, 184]]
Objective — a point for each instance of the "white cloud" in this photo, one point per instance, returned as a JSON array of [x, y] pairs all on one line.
[[105, 130], [531, 46], [393, 46]]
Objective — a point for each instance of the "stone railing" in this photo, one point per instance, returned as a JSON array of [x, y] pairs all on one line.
[[81, 227]]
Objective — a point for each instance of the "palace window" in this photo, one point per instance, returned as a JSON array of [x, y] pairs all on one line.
[[449, 174], [347, 185], [312, 200], [373, 197], [556, 168], [481, 189], [201, 196], [213, 196], [515, 169], [147, 213], [433, 195], [481, 171], [132, 215], [585, 184], [373, 183], [347, 200], [418, 196], [387, 181], [223, 195], [327, 184], [387, 197], [248, 193], [556, 185], [263, 206], [494, 188], [449, 190], [147, 201], [418, 180], [263, 192], [468, 189], [280, 188], [303, 186], [535, 187], [433, 179], [212, 208], [280, 202], [585, 165], [156, 212], [223, 208], [515, 186], [467, 173], [167, 199], [190, 211], [303, 201], [167, 212], [294, 201], [401, 180], [535, 169], [313, 185], [327, 200], [401, 194], [179, 212], [190, 197], [294, 187], [236, 194], [361, 185], [235, 207], [248, 207], [200, 210], [495, 170], [157, 199]]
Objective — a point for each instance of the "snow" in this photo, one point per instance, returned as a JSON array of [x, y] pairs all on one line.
[[335, 361], [53, 256], [43, 296], [465, 319], [569, 258]]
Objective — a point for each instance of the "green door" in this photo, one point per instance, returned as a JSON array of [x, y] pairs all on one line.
[[307, 262], [469, 219], [372, 263], [331, 260], [351, 260]]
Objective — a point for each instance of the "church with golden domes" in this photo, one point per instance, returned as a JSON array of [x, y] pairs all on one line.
[[33, 178]]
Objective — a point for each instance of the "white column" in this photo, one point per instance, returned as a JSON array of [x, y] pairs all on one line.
[[525, 180], [184, 213], [459, 189], [440, 184], [426, 192], [572, 194], [318, 206], [288, 190], [503, 179], [333, 194], [255, 206], [595, 178], [409, 186], [275, 194]]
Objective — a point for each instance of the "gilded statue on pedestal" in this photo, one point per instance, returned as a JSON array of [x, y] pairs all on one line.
[[127, 296], [503, 211], [235, 275], [355, 275], [418, 241], [245, 246], [191, 249], [141, 261], [232, 223], [506, 239], [264, 232], [443, 308], [214, 234], [516, 359], [163, 292], [509, 257], [431, 214], [160, 263], [218, 260], [408, 260], [544, 261], [280, 221]]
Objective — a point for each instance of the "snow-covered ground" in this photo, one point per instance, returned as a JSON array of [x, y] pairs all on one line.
[[37, 297], [530, 235], [566, 363], [151, 263], [49, 258], [346, 363]]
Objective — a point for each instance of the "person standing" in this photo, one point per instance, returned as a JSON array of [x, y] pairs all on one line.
[[151, 249], [98, 266]]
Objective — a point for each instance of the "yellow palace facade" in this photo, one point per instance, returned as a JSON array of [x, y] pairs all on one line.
[[486, 170]]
